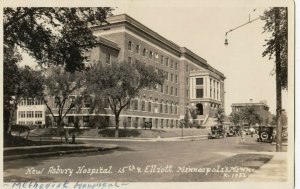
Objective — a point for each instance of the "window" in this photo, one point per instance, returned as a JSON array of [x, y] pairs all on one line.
[[199, 93], [187, 93], [171, 64], [162, 59], [149, 106], [166, 107], [136, 104], [161, 123], [137, 49], [199, 81], [156, 108], [38, 102], [167, 90], [129, 59], [23, 102], [38, 123], [161, 88], [187, 68], [136, 122], [129, 122], [176, 65], [106, 103], [176, 92], [151, 55], [172, 77], [38, 114], [143, 105], [176, 78], [144, 52], [22, 114], [129, 45], [156, 57], [172, 91], [30, 114], [87, 101], [30, 102], [167, 74], [161, 106], [167, 62], [187, 81], [107, 58], [176, 109], [85, 120]]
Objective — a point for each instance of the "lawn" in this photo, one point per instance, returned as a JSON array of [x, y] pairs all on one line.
[[142, 133]]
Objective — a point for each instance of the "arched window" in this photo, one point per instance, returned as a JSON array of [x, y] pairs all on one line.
[[199, 109]]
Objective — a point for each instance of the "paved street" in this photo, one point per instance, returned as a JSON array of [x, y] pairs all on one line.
[[148, 161]]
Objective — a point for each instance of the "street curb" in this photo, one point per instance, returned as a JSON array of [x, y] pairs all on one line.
[[95, 149], [144, 140]]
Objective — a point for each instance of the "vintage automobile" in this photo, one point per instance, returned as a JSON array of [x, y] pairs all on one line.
[[265, 134], [217, 131], [232, 130]]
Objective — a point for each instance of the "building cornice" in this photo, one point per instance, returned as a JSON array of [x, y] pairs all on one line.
[[108, 43]]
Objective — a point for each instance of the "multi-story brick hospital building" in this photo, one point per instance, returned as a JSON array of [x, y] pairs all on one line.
[[191, 82]]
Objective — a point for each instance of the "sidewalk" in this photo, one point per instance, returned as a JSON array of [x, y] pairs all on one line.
[[67, 149], [137, 139], [274, 170]]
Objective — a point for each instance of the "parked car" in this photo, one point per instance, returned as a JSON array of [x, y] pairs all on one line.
[[232, 130], [265, 134], [217, 131]]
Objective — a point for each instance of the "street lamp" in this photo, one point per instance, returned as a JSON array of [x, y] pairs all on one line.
[[249, 21]]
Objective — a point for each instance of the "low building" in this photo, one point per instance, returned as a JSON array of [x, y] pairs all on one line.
[[261, 108]]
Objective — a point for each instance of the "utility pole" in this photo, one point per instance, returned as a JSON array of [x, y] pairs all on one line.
[[278, 82]]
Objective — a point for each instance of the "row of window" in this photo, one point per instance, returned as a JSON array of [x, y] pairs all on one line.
[[152, 55], [213, 105], [139, 122], [30, 122], [153, 107], [30, 114], [30, 102], [169, 76]]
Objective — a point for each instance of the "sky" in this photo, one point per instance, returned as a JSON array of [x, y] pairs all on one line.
[[201, 28]]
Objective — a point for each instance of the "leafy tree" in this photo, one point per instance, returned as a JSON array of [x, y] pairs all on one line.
[[235, 118], [250, 116], [119, 83], [24, 83], [57, 36], [193, 113], [278, 40], [273, 121], [186, 118], [60, 85], [220, 115]]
